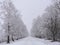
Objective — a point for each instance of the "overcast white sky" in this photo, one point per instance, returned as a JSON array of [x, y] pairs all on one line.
[[30, 9]]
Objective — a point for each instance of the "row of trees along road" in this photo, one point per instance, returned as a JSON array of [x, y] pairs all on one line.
[[48, 25], [12, 26]]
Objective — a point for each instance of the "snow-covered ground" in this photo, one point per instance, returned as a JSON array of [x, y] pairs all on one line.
[[32, 41]]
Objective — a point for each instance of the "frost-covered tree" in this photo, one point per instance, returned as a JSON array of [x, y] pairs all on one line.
[[36, 30], [54, 17], [52, 21], [13, 24], [48, 26], [2, 31]]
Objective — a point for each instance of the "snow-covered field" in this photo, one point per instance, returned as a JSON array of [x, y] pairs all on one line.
[[32, 41]]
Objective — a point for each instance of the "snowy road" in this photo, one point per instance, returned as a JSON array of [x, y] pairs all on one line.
[[32, 41]]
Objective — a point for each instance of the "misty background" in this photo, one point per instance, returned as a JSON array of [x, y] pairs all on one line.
[[30, 9]]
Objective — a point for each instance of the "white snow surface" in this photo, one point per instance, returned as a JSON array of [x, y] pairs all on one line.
[[32, 41]]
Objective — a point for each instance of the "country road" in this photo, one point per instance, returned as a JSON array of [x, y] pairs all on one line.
[[32, 41]]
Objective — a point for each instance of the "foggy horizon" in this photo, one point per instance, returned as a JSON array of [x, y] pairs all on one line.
[[30, 9]]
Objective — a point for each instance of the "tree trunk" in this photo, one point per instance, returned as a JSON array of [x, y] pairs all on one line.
[[12, 38], [54, 39], [8, 39]]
